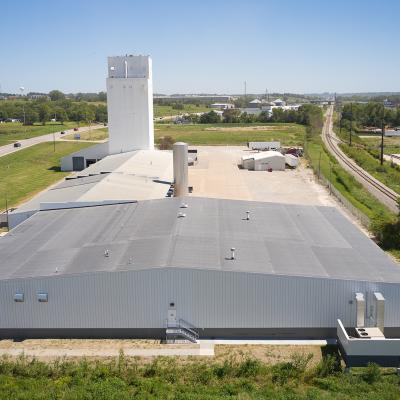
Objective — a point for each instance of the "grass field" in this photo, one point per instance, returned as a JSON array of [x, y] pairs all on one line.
[[220, 134], [343, 181], [387, 174], [165, 111], [240, 377], [365, 152], [391, 145], [28, 171], [13, 131], [96, 134], [232, 134]]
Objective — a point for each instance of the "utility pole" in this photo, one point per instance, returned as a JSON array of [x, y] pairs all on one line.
[[351, 121], [382, 131], [23, 105], [319, 166], [245, 90], [8, 226]]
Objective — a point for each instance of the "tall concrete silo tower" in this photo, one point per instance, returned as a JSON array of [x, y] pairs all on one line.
[[130, 104]]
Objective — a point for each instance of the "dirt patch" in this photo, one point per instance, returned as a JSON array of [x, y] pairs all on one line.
[[243, 128]]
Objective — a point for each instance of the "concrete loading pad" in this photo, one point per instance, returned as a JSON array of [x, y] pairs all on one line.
[[217, 175]]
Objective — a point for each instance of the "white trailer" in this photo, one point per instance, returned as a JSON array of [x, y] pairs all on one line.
[[264, 146], [291, 160]]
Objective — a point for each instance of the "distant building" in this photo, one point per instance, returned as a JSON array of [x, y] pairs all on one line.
[[36, 96], [278, 103], [264, 161], [222, 106], [191, 98], [256, 103]]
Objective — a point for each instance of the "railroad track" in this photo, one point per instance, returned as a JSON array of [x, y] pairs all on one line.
[[389, 195]]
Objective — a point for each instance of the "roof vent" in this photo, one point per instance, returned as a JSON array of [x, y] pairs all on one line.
[[106, 253], [232, 253], [42, 297], [181, 215], [247, 215], [184, 205], [19, 297]]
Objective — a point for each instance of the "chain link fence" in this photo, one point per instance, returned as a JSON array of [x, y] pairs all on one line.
[[364, 220]]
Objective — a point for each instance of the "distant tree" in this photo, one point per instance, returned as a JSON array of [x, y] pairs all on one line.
[[102, 96], [231, 116], [44, 113], [178, 106], [210, 118], [56, 95], [165, 143], [60, 114], [264, 117], [3, 114], [247, 118], [101, 113], [31, 116]]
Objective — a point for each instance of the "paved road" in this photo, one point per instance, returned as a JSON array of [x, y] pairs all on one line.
[[383, 193], [9, 148]]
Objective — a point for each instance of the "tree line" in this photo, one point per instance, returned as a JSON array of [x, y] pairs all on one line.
[[58, 108], [307, 114], [369, 114]]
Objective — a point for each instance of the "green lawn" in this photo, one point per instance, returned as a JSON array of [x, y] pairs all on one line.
[[232, 134], [28, 171], [343, 181], [387, 174], [365, 151], [240, 377], [391, 145], [220, 134], [165, 111], [95, 134], [13, 131]]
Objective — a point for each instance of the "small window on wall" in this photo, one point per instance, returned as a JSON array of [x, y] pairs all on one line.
[[19, 297], [42, 297]]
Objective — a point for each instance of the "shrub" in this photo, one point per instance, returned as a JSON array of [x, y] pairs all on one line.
[[327, 366], [166, 143], [294, 369], [371, 373], [249, 367]]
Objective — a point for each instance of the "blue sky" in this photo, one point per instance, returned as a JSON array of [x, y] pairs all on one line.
[[203, 46]]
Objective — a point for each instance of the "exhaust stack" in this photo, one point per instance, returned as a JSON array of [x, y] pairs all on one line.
[[180, 155]]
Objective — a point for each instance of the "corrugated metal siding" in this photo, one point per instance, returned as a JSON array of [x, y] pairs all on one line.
[[208, 299]]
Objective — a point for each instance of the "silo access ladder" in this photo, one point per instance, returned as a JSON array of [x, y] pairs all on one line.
[[181, 330]]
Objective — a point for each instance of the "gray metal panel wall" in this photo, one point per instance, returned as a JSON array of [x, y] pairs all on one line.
[[208, 299]]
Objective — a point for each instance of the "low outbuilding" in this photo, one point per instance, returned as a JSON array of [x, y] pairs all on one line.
[[264, 161]]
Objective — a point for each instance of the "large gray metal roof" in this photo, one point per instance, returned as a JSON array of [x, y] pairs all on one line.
[[278, 239]]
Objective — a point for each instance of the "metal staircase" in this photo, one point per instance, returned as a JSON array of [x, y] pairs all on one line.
[[180, 330]]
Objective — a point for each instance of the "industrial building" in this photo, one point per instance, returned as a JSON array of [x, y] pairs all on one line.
[[130, 112], [228, 268], [135, 175], [106, 254], [127, 167], [264, 161]]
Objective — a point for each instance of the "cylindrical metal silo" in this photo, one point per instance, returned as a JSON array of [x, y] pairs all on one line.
[[180, 150]]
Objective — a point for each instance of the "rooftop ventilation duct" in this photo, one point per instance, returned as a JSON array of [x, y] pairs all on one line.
[[180, 155], [380, 310], [360, 302]]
